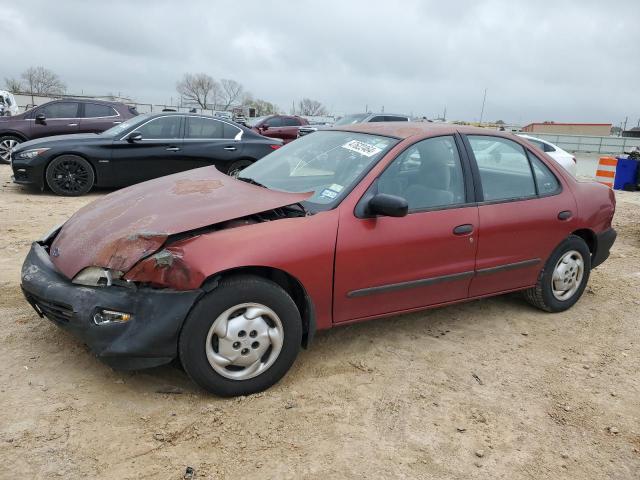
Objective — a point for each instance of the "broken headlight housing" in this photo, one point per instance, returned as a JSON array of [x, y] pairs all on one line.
[[97, 277]]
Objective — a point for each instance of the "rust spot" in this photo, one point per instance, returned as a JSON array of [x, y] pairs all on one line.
[[188, 186]]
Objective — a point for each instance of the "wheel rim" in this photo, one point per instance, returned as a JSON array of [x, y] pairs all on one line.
[[567, 275], [5, 149], [244, 341], [70, 176]]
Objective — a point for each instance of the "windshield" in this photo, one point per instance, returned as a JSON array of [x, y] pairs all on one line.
[[349, 119], [121, 127], [252, 122], [327, 163]]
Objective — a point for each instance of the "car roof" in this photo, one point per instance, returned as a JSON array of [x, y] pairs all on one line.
[[404, 130]]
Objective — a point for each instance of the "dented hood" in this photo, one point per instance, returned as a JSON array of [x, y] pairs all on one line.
[[119, 229]]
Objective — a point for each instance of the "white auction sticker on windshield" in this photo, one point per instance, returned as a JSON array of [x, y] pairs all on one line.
[[362, 148]]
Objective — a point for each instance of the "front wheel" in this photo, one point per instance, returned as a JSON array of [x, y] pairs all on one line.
[[7, 143], [563, 278], [236, 167], [242, 337], [70, 175]]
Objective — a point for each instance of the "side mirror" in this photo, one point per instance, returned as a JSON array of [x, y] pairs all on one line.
[[134, 137], [264, 127], [40, 118], [388, 205]]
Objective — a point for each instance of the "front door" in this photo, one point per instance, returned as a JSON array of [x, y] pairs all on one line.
[[385, 265], [157, 154], [60, 118], [520, 216]]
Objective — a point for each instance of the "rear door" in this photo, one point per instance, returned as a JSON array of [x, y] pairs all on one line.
[[384, 264], [157, 154], [289, 129], [209, 141], [274, 128], [524, 212], [61, 118], [98, 117]]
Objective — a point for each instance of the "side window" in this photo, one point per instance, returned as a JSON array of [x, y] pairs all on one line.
[[60, 110], [379, 118], [545, 179], [548, 148], [274, 122], [230, 131], [161, 128], [427, 174], [290, 122], [396, 119], [199, 127], [505, 172], [93, 110]]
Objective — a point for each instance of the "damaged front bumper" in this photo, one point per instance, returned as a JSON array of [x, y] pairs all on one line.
[[148, 339]]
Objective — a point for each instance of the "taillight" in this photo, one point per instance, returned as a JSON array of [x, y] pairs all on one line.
[[275, 147]]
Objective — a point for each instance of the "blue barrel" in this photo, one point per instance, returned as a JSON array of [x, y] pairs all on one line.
[[626, 172]]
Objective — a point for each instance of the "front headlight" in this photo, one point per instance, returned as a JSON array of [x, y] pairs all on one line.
[[97, 277], [32, 153]]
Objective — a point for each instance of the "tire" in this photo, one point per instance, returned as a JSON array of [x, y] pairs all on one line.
[[7, 143], [542, 295], [212, 335], [70, 175], [236, 167]]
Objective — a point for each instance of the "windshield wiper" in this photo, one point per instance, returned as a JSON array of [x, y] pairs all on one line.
[[252, 182]]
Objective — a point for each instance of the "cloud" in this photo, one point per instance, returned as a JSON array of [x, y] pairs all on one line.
[[560, 60]]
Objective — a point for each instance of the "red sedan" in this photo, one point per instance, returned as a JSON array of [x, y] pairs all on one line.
[[233, 276]]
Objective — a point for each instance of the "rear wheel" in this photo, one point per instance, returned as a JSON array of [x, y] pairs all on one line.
[[242, 337], [8, 143], [564, 277], [236, 167], [70, 175]]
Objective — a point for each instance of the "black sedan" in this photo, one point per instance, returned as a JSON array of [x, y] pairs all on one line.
[[142, 148]]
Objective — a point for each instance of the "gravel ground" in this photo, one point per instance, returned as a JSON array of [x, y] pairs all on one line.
[[487, 389]]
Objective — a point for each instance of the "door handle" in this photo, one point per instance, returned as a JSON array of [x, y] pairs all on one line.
[[117, 123], [230, 149], [463, 229], [173, 149], [565, 215], [72, 125]]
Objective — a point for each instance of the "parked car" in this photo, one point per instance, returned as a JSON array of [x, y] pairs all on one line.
[[233, 275], [561, 156], [284, 127], [60, 117], [8, 105], [353, 119], [142, 148]]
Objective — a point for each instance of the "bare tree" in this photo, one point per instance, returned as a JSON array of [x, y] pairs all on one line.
[[231, 92], [13, 85], [42, 81], [310, 107], [199, 88]]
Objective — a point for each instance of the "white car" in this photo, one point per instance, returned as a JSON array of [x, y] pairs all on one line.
[[565, 159], [8, 105]]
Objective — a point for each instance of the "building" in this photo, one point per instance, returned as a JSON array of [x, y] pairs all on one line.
[[633, 132], [598, 129]]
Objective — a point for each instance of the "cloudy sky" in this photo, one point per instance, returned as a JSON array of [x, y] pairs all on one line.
[[558, 60]]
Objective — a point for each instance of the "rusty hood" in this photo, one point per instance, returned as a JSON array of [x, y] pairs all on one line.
[[123, 227]]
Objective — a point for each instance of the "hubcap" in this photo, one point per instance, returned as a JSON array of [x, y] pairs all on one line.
[[244, 341], [567, 275], [5, 149], [70, 176]]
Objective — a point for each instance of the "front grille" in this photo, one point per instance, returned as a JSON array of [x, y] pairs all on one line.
[[58, 312]]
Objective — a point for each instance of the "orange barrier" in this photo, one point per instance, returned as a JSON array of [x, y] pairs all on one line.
[[606, 171]]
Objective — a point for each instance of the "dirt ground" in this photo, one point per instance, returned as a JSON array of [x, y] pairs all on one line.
[[489, 389]]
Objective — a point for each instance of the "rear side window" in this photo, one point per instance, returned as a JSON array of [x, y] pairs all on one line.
[[290, 122], [505, 172], [274, 122], [161, 128], [230, 131], [545, 179], [93, 110], [379, 118], [199, 127], [60, 110], [395, 119]]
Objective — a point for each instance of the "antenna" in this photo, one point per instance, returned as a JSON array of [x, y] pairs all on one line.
[[484, 99]]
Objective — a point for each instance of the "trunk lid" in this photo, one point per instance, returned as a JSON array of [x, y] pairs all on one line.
[[123, 227]]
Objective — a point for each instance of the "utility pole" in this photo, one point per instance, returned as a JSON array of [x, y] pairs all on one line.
[[382, 111], [626, 119], [444, 114], [366, 109], [484, 99]]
